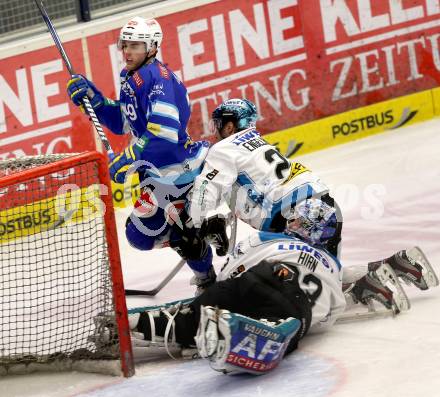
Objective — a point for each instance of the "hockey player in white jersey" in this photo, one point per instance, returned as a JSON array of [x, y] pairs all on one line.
[[272, 291], [277, 277], [269, 185]]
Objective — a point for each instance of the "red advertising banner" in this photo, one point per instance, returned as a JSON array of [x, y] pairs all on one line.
[[303, 60], [367, 51], [36, 116], [298, 60]]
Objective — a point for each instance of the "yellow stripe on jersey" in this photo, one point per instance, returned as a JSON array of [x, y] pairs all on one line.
[[168, 133], [153, 128], [129, 153]]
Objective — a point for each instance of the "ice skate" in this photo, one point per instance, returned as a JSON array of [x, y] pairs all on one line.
[[105, 336], [203, 280], [413, 268], [380, 284]]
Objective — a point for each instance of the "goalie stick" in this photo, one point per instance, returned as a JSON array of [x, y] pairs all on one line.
[[145, 347], [371, 313], [89, 109]]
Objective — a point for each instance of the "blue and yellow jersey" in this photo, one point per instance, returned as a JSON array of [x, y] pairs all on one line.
[[154, 107]]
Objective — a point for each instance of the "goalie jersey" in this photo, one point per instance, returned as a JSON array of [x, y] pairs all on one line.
[[319, 274], [267, 183]]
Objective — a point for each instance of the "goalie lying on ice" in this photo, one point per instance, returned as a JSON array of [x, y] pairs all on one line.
[[272, 291]]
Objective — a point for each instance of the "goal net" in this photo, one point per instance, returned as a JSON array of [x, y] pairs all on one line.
[[62, 302]]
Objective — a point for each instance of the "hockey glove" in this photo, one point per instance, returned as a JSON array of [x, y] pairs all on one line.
[[120, 164], [187, 242], [78, 87], [214, 230]]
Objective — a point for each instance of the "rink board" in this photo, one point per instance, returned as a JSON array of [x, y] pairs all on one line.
[[436, 100], [357, 123], [39, 216]]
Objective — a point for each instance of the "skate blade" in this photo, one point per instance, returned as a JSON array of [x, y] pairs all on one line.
[[366, 315], [388, 277], [428, 271]]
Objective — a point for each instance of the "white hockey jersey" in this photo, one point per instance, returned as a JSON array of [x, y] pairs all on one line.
[[266, 182], [319, 273]]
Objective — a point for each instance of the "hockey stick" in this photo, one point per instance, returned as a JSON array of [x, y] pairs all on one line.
[[165, 281], [62, 219], [233, 238], [89, 109], [175, 270]]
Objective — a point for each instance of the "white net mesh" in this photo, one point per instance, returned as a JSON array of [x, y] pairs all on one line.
[[54, 274]]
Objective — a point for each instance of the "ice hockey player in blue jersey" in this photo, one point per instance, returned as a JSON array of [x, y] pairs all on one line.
[[154, 108]]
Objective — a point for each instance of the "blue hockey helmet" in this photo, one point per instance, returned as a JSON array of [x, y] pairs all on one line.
[[313, 221], [242, 112]]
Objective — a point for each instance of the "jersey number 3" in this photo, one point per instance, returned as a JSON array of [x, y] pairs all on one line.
[[310, 284]]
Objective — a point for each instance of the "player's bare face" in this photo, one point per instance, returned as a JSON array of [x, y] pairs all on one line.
[[220, 131], [222, 134], [134, 53], [226, 130]]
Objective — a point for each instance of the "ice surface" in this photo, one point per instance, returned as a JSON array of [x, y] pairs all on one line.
[[389, 189]]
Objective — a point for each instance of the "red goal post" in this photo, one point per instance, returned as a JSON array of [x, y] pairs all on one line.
[[62, 300]]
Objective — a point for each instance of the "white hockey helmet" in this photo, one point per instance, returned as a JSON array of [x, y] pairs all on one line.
[[141, 29]]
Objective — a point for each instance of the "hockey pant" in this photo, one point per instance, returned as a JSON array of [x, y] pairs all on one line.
[[155, 214]]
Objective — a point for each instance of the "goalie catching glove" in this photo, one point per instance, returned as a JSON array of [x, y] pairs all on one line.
[[234, 343]]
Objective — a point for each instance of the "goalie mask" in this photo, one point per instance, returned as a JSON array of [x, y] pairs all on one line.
[[313, 221], [141, 29], [242, 112]]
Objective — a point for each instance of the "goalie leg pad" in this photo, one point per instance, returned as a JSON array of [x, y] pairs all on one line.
[[234, 343], [155, 327]]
